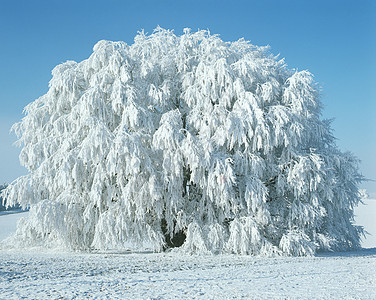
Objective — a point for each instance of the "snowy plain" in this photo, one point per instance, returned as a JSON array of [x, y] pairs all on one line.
[[131, 275]]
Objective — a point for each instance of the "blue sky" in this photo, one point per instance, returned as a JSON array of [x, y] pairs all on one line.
[[335, 40]]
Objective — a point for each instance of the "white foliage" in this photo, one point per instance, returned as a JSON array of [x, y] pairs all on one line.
[[218, 143]]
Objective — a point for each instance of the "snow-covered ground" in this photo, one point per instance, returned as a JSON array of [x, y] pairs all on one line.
[[8, 222], [36, 275], [165, 276]]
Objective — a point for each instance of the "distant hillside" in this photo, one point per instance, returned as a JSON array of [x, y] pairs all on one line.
[[2, 205], [3, 186]]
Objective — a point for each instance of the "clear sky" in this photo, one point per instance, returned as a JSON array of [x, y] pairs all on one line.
[[335, 40]]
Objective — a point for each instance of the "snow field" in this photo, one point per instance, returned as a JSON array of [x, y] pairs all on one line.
[[167, 276], [8, 223]]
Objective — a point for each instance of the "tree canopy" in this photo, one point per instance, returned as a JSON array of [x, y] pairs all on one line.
[[184, 141]]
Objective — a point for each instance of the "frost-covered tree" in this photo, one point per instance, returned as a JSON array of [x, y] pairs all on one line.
[[186, 141]]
